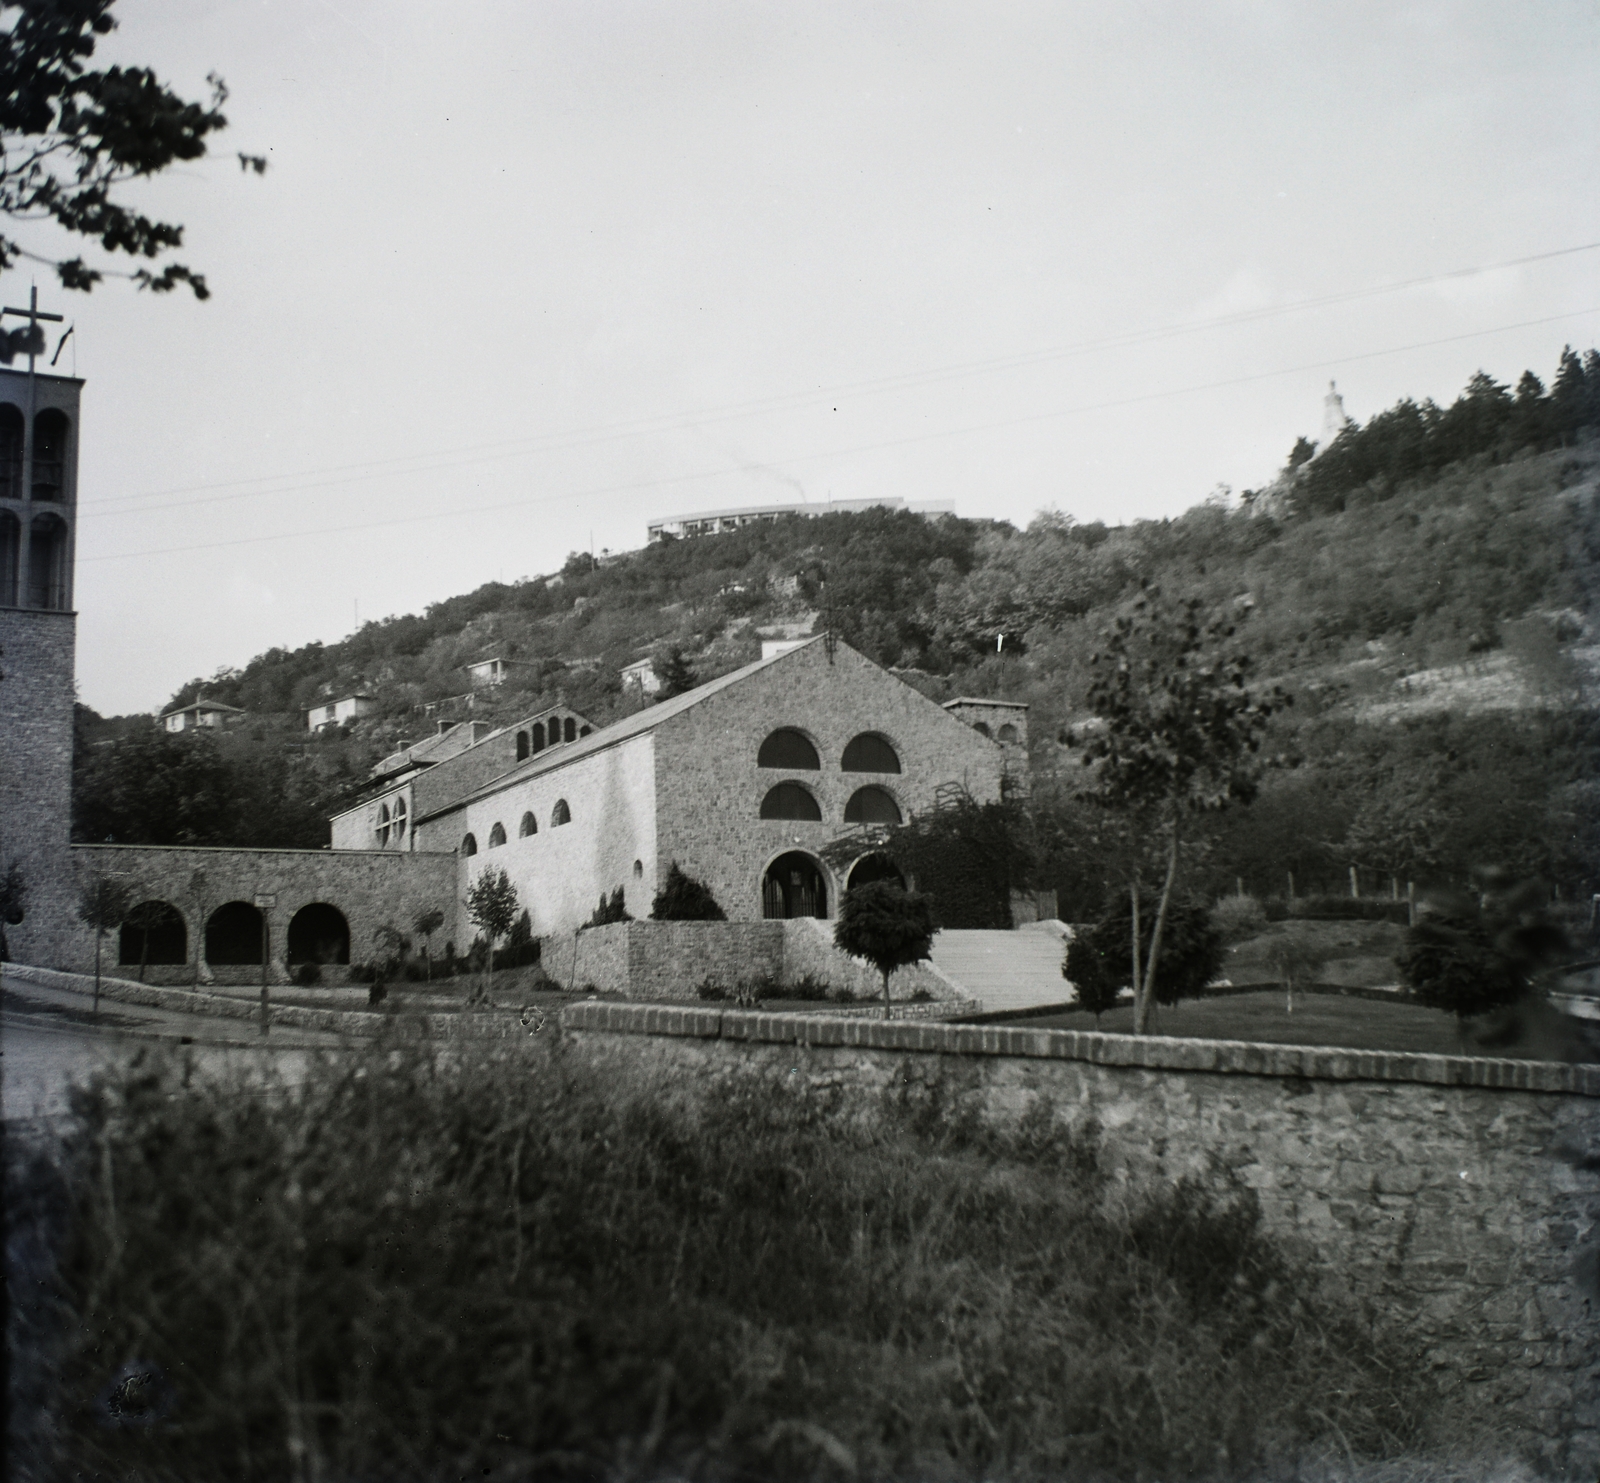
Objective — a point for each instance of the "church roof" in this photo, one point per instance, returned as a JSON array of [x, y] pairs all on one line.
[[616, 733]]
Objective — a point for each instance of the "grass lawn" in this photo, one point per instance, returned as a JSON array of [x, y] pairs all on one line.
[[1333, 1019]]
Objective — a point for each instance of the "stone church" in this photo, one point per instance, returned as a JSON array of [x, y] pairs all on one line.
[[740, 782]]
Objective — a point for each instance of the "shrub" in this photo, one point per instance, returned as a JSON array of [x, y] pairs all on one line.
[[377, 992], [509, 1262], [307, 975], [361, 973], [709, 988], [684, 899], [610, 911], [1100, 958], [1238, 917]]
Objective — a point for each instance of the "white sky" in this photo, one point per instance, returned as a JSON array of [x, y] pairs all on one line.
[[528, 267]]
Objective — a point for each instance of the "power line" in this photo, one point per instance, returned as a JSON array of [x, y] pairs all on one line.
[[456, 512], [433, 461]]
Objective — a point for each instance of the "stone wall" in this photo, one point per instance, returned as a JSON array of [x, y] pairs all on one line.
[[1460, 1198], [369, 888], [667, 961], [36, 696]]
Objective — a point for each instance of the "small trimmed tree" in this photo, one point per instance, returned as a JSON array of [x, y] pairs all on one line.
[[1095, 986], [684, 899], [608, 911], [492, 908], [888, 926], [102, 904]]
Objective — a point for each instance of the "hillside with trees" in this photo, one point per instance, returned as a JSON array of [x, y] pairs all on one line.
[[1424, 588]]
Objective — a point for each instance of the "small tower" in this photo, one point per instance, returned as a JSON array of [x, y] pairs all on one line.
[[1334, 421], [38, 642]]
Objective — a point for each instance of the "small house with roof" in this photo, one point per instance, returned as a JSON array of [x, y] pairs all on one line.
[[209, 715], [337, 712]]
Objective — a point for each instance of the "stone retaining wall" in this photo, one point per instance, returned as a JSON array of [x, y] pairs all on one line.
[[1459, 1197]]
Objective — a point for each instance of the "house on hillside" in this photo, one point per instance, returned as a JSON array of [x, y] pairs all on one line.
[[741, 782], [496, 669], [641, 676], [337, 712], [208, 714]]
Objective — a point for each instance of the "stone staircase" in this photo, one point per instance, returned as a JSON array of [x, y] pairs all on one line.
[[1020, 969]]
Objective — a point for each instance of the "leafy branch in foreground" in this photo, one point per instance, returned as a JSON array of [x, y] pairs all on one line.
[[71, 136]]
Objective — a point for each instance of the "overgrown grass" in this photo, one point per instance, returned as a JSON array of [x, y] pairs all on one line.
[[512, 1264]]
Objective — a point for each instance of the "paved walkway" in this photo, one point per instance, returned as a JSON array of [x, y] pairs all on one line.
[[1007, 970]]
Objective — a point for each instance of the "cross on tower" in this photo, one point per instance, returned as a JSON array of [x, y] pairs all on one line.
[[33, 316]]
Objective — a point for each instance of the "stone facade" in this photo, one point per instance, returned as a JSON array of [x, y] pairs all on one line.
[[36, 697], [1459, 1198], [369, 888]]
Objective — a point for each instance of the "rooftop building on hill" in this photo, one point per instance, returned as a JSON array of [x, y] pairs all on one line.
[[714, 522], [210, 714]]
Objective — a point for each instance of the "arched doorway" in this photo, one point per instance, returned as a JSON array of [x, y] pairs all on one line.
[[233, 935], [794, 886], [153, 935], [875, 867], [319, 934]]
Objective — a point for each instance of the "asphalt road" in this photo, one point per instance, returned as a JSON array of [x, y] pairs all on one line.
[[50, 1039]]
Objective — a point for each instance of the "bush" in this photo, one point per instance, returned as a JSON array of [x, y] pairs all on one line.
[[377, 992], [684, 899], [1239, 917], [308, 975], [610, 911], [1339, 909], [361, 973], [1100, 959], [509, 1262]]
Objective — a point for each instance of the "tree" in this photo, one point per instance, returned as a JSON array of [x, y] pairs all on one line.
[[102, 904], [13, 904], [609, 911], [676, 677], [1468, 955], [492, 909], [1100, 961], [888, 926], [1180, 736], [73, 136], [684, 899], [425, 924]]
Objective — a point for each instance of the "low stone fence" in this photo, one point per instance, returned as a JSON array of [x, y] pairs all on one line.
[[472, 1024], [1458, 1198], [667, 961]]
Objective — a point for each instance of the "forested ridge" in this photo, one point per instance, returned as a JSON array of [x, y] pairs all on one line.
[[1425, 586]]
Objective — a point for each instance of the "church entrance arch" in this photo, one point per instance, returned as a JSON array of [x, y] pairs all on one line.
[[319, 934], [874, 867], [794, 885], [233, 936]]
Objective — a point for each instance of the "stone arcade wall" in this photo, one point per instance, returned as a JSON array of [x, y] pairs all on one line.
[[370, 887], [1461, 1198]]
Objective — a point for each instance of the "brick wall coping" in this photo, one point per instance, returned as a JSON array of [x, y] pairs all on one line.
[[1156, 1053], [322, 852]]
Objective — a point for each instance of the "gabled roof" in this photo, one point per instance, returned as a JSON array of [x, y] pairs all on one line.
[[619, 731], [201, 705]]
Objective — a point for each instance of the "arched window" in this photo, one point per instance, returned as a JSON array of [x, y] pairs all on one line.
[[872, 806], [789, 801], [1007, 733], [790, 750], [875, 867], [49, 454], [638, 870], [569, 730], [383, 825], [869, 753], [319, 934], [497, 836], [233, 935], [522, 746], [529, 825], [794, 886], [10, 553], [981, 728], [10, 452], [399, 820], [153, 933], [560, 814], [469, 845], [538, 736], [583, 731], [47, 564]]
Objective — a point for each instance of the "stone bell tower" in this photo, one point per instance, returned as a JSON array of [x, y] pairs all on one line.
[[38, 641]]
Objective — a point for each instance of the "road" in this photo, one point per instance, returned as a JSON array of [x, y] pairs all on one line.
[[49, 1039]]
